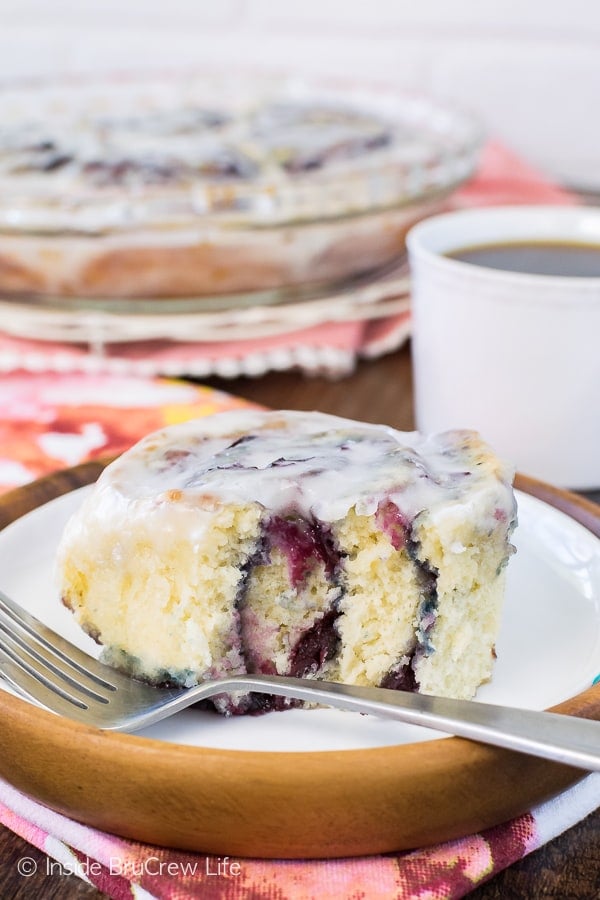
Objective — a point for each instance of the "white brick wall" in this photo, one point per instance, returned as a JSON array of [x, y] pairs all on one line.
[[530, 68]]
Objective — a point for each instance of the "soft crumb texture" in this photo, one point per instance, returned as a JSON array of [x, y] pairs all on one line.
[[295, 543]]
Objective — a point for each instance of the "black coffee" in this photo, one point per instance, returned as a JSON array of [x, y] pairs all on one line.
[[535, 257]]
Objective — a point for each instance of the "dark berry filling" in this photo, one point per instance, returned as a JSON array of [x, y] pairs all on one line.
[[55, 161], [304, 137], [317, 645], [105, 173], [222, 163], [402, 535], [263, 703], [305, 543], [394, 523], [295, 161], [402, 677], [41, 156]]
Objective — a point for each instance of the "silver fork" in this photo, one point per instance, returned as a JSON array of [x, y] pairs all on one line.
[[52, 672]]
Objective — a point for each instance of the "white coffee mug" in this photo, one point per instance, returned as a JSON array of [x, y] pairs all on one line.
[[515, 356]]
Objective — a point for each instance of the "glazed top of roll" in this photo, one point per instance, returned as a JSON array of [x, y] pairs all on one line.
[[310, 463], [113, 154]]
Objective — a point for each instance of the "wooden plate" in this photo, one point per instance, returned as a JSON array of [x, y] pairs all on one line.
[[273, 804]]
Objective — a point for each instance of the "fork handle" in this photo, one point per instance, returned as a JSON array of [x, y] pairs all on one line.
[[565, 739]]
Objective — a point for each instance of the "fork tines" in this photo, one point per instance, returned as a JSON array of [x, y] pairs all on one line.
[[36, 660]]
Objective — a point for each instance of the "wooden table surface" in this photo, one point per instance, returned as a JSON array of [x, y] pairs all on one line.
[[379, 391]]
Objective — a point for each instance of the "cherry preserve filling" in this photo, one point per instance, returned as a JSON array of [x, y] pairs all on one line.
[[305, 544], [399, 529], [221, 162], [317, 645], [394, 523]]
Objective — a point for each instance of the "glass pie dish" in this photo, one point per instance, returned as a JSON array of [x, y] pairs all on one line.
[[218, 187]]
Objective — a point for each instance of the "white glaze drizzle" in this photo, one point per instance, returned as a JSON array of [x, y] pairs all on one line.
[[312, 463], [379, 148]]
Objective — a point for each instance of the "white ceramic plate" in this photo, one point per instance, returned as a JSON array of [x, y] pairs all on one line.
[[548, 650]]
